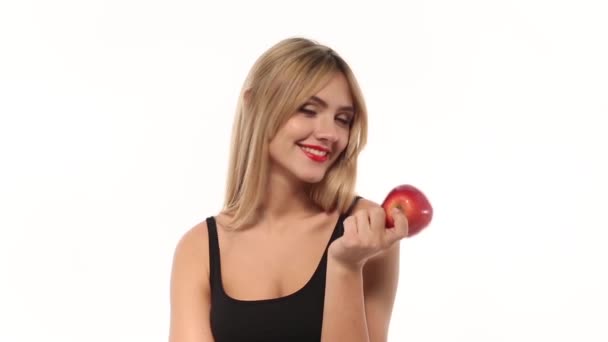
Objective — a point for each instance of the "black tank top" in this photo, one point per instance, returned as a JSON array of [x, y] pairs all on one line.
[[294, 317]]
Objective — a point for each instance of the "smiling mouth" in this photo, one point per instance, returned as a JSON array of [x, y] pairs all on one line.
[[314, 154]]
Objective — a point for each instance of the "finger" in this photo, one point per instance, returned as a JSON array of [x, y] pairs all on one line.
[[401, 223], [362, 218], [350, 225], [401, 227], [377, 218], [350, 235], [366, 235]]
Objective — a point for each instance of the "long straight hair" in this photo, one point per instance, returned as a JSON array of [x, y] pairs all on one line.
[[282, 79]]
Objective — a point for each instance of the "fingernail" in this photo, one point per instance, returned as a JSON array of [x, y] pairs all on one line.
[[396, 211]]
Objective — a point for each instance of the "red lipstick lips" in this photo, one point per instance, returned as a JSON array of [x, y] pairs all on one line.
[[316, 157]]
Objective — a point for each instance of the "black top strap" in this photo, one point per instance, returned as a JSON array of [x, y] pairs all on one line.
[[214, 253]]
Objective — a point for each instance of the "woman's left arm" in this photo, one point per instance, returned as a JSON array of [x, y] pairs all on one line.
[[359, 298], [380, 280], [359, 302]]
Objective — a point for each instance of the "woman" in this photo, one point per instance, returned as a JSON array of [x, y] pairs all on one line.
[[294, 255]]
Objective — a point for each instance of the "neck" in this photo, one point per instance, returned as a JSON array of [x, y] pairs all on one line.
[[286, 198]]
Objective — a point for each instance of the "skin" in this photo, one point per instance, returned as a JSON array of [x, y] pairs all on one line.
[[289, 240]]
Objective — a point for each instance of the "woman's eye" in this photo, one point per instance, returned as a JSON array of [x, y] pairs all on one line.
[[344, 121], [307, 111]]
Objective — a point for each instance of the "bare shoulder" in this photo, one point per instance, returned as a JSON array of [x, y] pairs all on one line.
[[190, 290], [192, 250]]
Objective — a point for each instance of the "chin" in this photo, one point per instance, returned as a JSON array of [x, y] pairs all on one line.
[[311, 178]]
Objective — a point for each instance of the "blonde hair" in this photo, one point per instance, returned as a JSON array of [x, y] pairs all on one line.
[[280, 81]]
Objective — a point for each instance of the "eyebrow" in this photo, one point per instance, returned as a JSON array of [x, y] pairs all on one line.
[[324, 104]]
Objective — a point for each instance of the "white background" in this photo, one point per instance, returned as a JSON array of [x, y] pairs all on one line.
[[114, 131]]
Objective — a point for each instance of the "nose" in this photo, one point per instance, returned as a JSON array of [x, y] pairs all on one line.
[[326, 129]]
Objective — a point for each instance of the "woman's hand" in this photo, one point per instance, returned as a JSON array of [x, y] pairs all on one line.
[[366, 236]]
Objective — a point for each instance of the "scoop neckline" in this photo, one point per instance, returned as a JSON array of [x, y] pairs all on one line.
[[296, 293]]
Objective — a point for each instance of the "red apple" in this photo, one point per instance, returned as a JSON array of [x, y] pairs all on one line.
[[413, 203]]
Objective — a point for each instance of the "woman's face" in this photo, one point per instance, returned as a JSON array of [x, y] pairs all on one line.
[[315, 136]]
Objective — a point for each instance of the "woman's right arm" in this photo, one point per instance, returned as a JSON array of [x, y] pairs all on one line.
[[190, 294]]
